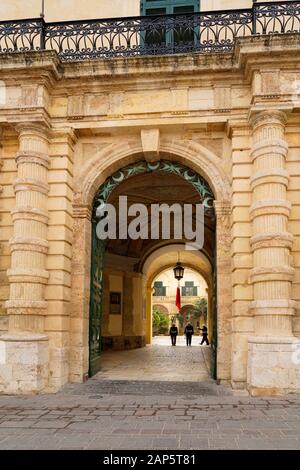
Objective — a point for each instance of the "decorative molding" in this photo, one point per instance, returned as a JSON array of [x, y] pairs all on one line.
[[266, 146], [268, 117], [38, 158], [275, 239], [270, 175], [164, 166], [29, 244], [31, 184], [82, 212], [150, 139], [271, 273], [270, 207]]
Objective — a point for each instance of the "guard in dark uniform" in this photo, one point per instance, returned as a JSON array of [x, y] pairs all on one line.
[[173, 333], [189, 331], [204, 335]]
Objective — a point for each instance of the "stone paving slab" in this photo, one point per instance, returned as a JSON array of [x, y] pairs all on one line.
[[120, 420]]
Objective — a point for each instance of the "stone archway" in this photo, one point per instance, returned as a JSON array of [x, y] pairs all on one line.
[[87, 183], [165, 258]]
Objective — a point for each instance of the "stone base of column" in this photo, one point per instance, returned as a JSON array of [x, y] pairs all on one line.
[[273, 365], [24, 363]]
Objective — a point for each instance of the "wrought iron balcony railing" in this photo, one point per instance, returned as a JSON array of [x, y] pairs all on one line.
[[151, 35]]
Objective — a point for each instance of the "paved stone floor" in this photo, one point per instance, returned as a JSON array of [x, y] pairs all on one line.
[[160, 361], [106, 413]]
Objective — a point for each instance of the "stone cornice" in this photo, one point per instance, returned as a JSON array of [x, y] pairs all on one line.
[[249, 54], [253, 53], [33, 61], [26, 117]]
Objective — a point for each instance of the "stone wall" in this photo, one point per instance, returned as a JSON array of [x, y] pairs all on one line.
[[64, 130], [57, 10]]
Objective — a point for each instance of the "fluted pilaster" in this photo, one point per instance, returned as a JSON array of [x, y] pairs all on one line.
[[224, 289], [272, 273], [26, 306]]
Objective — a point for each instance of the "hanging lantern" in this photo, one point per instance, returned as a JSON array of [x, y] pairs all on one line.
[[178, 271]]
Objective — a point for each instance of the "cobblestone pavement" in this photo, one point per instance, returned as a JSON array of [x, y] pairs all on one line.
[[149, 414]]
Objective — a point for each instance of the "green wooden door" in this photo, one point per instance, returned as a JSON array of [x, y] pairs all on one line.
[[96, 302], [214, 339]]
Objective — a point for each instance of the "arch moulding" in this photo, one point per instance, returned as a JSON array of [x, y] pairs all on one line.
[[117, 156], [88, 179]]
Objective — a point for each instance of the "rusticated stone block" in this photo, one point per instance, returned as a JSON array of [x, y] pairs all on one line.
[[24, 363]]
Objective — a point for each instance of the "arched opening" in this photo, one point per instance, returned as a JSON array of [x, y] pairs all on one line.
[[123, 269]]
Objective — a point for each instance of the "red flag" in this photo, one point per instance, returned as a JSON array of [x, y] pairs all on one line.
[[178, 299]]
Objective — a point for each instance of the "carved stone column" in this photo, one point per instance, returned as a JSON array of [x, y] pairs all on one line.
[[25, 345], [81, 287], [224, 287], [270, 363]]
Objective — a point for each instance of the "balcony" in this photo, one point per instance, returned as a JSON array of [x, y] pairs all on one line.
[[204, 32]]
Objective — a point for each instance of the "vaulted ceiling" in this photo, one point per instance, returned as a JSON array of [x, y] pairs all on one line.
[[157, 188]]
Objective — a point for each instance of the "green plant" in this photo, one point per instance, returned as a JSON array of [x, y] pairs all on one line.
[[200, 309], [160, 322]]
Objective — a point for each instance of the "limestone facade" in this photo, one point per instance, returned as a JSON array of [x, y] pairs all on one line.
[[68, 10], [233, 118]]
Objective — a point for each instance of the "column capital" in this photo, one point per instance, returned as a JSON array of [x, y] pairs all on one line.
[[39, 129], [268, 117]]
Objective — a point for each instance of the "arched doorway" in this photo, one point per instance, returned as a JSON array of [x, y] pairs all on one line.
[[119, 302], [165, 258]]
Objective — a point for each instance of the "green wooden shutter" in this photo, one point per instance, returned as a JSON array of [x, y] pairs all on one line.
[[170, 6]]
